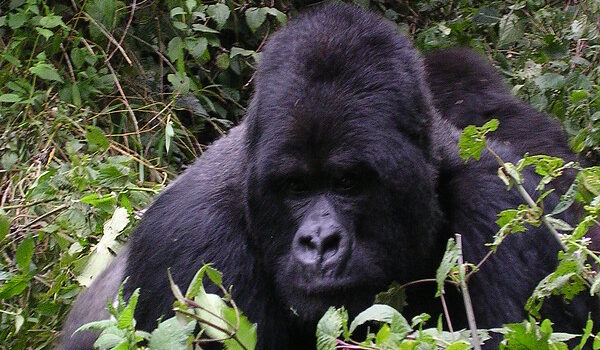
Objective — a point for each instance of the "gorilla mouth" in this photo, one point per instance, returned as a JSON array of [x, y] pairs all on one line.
[[330, 286]]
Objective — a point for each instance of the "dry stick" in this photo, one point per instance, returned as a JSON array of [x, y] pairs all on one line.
[[465, 294], [124, 30], [108, 36]]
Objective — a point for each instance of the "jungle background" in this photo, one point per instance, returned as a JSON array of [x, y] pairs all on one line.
[[103, 102]]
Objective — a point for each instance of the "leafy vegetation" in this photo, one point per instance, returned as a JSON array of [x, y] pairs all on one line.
[[102, 102]]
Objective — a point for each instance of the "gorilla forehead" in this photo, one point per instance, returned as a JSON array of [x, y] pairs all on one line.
[[337, 72]]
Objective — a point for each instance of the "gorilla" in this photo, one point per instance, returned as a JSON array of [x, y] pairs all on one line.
[[468, 90], [341, 179]]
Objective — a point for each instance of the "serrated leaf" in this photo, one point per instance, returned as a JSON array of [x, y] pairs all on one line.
[[558, 224], [46, 71], [24, 253], [214, 275], [125, 320], [171, 334], [449, 261], [255, 17], [246, 331], [329, 328]]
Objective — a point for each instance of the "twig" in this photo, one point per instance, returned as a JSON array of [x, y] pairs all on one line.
[[447, 316], [466, 296], [108, 36], [124, 30]]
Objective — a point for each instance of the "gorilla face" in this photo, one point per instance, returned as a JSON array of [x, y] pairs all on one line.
[[330, 213], [340, 182]]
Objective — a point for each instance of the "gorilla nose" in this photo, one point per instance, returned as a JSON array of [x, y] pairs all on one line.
[[318, 246]]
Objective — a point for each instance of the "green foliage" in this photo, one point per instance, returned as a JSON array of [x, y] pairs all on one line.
[[220, 322], [472, 139], [103, 102]]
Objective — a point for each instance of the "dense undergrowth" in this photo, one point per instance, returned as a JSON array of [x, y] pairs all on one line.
[[102, 102]]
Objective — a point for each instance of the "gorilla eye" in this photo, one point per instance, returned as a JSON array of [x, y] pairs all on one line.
[[347, 183], [296, 186]]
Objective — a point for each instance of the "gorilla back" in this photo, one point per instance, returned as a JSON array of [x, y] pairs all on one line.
[[340, 180]]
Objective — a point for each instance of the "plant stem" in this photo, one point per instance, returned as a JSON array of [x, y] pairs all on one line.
[[466, 296]]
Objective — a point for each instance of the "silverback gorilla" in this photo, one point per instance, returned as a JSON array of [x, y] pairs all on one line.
[[341, 179]]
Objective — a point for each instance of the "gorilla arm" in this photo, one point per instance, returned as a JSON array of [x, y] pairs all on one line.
[[472, 195], [198, 219], [91, 305]]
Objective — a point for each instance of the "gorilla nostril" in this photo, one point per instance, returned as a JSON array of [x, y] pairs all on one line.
[[330, 245], [308, 242]]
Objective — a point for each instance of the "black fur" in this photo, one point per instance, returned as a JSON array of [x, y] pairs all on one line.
[[468, 90], [341, 137]]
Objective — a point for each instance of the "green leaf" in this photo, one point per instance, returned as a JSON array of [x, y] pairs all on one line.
[[10, 98], [510, 30], [255, 17], [46, 33], [46, 71], [449, 261], [15, 286], [203, 29], [180, 82], [171, 334], [196, 46], [169, 133], [125, 320], [214, 275], [24, 253], [280, 16], [4, 225], [111, 341], [330, 327], [395, 297], [222, 61], [550, 81], [96, 325], [211, 311], [235, 51], [51, 21], [220, 13], [176, 11], [246, 332], [379, 313], [17, 20], [174, 48], [95, 137]]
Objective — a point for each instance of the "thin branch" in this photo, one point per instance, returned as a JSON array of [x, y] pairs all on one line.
[[466, 295]]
